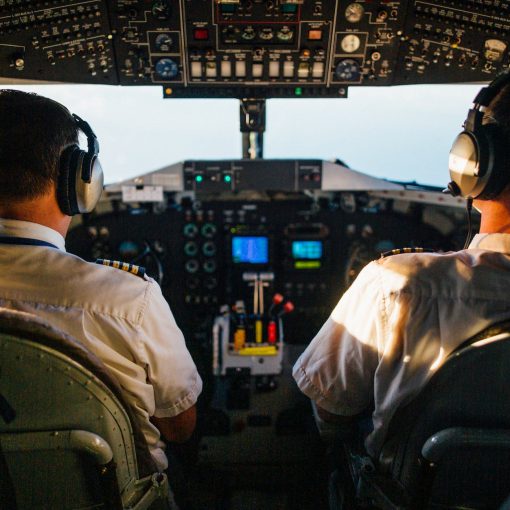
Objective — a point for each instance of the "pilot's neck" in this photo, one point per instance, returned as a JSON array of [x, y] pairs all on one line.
[[43, 210], [495, 215]]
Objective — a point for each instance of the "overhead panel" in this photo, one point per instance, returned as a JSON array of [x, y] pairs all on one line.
[[254, 48]]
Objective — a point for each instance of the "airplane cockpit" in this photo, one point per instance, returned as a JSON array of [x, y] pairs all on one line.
[[251, 253]]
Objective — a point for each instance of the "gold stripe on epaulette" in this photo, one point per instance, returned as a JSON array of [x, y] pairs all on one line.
[[124, 266], [399, 251]]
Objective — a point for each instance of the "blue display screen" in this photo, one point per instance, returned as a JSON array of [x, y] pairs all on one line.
[[309, 250], [250, 250]]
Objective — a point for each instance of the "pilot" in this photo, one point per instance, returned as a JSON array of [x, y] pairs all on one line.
[[45, 178], [404, 314]]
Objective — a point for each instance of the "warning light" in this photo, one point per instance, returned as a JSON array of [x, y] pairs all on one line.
[[314, 35], [199, 178], [200, 34], [168, 91], [298, 91], [227, 178]]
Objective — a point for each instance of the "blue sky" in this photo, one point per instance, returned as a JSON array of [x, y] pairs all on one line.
[[400, 133]]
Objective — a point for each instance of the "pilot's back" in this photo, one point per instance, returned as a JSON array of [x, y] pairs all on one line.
[[121, 317]]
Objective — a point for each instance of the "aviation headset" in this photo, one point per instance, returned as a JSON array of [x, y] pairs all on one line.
[[480, 153], [80, 178]]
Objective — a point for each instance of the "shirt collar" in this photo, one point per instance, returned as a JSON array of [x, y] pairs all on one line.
[[491, 242], [18, 228]]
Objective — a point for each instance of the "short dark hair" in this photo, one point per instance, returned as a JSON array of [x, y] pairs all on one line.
[[499, 109], [34, 130]]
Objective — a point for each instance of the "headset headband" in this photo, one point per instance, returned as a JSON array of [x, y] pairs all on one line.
[[483, 99], [92, 146]]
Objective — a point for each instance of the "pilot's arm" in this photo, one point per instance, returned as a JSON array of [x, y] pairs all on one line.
[[178, 428], [336, 371], [170, 370]]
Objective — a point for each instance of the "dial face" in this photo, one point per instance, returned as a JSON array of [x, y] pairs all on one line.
[[350, 43], [354, 12], [348, 70], [164, 43], [494, 50], [167, 68]]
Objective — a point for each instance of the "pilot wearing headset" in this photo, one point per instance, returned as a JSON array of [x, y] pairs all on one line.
[[404, 314], [45, 179]]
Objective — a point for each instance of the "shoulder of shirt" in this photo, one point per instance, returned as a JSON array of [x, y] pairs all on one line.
[[124, 266]]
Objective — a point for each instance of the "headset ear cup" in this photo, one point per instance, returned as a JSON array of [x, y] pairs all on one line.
[[495, 162], [66, 174]]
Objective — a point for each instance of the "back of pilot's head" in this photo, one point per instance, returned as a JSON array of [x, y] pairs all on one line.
[[499, 110], [34, 131]]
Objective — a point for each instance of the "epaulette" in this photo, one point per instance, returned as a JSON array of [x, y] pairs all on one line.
[[130, 268], [398, 251]]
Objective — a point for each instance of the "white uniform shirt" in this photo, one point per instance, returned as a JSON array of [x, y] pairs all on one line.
[[122, 318], [396, 324]]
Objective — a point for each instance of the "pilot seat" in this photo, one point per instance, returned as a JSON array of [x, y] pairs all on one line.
[[449, 448], [68, 439]]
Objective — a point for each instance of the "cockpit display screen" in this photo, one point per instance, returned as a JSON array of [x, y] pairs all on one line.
[[250, 249], [307, 250]]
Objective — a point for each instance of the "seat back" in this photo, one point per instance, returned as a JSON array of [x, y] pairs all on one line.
[[66, 436], [468, 399]]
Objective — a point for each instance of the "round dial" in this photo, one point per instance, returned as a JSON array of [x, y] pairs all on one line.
[[348, 70], [167, 68], [164, 43], [350, 43], [354, 12]]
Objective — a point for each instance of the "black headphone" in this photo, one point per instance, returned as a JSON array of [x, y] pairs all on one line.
[[80, 181], [479, 154]]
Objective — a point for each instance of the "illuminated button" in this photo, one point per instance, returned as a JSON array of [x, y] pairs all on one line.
[[318, 69], [315, 35], [303, 70], [226, 69], [240, 68], [288, 69], [201, 34], [210, 69], [289, 8], [196, 69], [257, 70], [274, 69]]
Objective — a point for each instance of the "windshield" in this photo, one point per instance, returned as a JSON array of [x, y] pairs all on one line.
[[399, 133]]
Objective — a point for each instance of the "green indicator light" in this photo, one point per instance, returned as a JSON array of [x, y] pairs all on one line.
[[227, 178], [305, 264], [199, 178], [298, 91], [233, 230]]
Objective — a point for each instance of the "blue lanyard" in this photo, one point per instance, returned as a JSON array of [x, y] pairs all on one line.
[[25, 241]]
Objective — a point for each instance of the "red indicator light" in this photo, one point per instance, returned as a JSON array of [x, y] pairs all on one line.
[[271, 332], [201, 34]]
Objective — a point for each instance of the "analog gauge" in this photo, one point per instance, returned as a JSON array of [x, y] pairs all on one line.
[[285, 34], [354, 12], [494, 50], [350, 43], [163, 43], [266, 34], [248, 34], [348, 70], [167, 68], [161, 9]]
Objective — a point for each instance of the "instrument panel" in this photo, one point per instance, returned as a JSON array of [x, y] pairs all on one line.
[[253, 48], [201, 249]]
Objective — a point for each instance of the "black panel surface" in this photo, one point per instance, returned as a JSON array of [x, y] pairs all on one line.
[[254, 48]]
